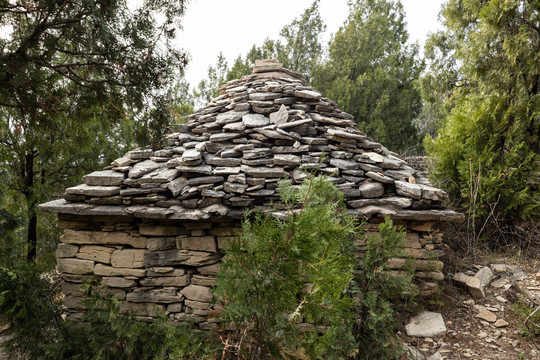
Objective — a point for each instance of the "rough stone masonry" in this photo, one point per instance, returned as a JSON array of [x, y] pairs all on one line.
[[153, 223]]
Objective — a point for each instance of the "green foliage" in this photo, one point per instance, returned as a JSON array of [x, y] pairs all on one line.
[[284, 271], [182, 103], [490, 121], [10, 249], [77, 80], [530, 325], [29, 305], [104, 332], [371, 73], [208, 88], [377, 294], [301, 49]]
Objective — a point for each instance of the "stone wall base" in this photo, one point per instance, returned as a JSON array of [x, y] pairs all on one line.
[[171, 267]]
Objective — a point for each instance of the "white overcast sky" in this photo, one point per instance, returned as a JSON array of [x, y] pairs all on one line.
[[233, 26]]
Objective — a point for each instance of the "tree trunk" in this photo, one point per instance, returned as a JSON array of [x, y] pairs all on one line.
[[31, 206]]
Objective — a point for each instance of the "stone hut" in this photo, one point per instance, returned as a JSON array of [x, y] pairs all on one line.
[[152, 224]]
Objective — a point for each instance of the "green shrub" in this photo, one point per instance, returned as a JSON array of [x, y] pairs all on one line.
[[29, 308], [283, 271], [379, 294], [301, 268], [104, 332], [530, 327]]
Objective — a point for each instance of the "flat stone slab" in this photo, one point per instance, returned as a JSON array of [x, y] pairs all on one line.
[[255, 120], [98, 191], [281, 116], [407, 189], [389, 201], [308, 94], [371, 190], [104, 178], [346, 134], [426, 324], [473, 284], [485, 275], [144, 167], [486, 315]]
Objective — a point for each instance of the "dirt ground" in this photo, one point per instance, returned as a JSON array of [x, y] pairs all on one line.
[[470, 337]]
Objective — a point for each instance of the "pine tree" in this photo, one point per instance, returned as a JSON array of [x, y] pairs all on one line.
[[281, 272], [488, 148], [371, 72], [77, 79]]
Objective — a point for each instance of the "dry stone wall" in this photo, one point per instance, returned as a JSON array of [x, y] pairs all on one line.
[[152, 267], [171, 267]]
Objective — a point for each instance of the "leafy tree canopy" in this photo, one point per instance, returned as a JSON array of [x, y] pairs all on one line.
[[488, 146], [73, 77], [371, 72]]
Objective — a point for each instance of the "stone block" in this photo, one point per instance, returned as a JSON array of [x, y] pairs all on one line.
[[371, 190], [165, 271], [69, 288], [66, 250], [434, 275], [180, 257], [73, 302], [424, 265], [222, 241], [208, 325], [104, 270], [100, 254], [152, 310], [104, 178], [75, 266], [421, 253], [407, 189], [485, 275], [102, 238], [426, 324], [175, 308], [199, 232], [189, 318], [164, 295], [162, 230], [118, 282], [128, 258], [473, 284], [200, 243], [161, 243], [97, 191], [413, 240], [144, 167], [203, 280], [197, 293], [166, 281], [209, 269], [486, 315]]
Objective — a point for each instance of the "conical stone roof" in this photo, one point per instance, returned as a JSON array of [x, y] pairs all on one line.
[[264, 127]]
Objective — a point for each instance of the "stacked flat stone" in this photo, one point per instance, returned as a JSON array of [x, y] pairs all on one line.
[[263, 128], [152, 225]]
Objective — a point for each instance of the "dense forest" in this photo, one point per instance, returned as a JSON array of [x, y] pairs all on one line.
[[82, 82]]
